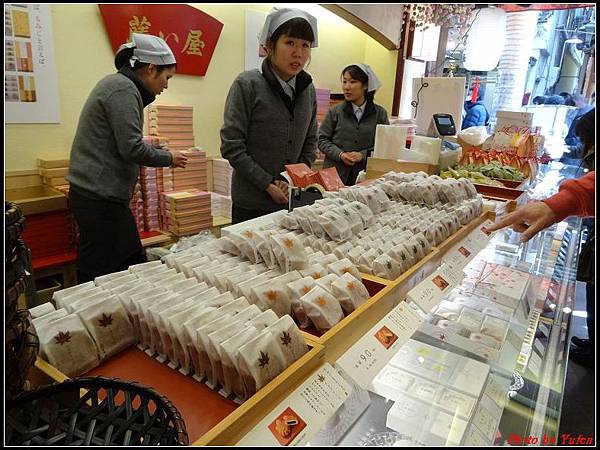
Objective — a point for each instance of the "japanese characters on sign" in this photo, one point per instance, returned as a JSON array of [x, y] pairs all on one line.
[[191, 33]]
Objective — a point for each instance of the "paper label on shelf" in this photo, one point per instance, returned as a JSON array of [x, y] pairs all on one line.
[[479, 238], [365, 359], [300, 416], [474, 438], [461, 254], [487, 417], [433, 289], [496, 392]]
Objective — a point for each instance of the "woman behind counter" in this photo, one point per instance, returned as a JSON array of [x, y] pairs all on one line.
[[270, 116], [107, 152], [347, 134]]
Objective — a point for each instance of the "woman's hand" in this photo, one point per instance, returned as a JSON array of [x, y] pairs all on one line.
[[347, 158], [179, 159], [528, 219], [277, 194], [356, 156]]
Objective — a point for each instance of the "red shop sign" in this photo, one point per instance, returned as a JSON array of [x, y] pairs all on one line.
[[191, 33]]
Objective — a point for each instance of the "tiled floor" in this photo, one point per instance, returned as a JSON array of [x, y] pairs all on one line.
[[579, 401]]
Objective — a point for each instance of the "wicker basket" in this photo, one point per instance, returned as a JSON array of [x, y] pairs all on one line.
[[11, 298], [109, 412], [19, 262], [21, 346]]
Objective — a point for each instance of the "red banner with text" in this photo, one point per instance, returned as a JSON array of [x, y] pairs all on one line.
[[191, 33]]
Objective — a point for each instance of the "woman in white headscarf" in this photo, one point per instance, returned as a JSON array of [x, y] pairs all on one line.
[[347, 134], [107, 152], [270, 116]]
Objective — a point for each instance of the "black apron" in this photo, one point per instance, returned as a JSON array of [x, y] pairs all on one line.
[[108, 237]]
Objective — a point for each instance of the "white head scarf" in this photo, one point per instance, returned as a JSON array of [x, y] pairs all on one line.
[[374, 82], [149, 49], [278, 16]]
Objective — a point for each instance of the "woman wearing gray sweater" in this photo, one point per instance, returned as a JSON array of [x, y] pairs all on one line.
[[107, 152], [347, 134], [270, 116]]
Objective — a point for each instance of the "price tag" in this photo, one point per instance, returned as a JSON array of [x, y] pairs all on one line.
[[300, 416], [461, 254], [480, 237], [433, 289], [365, 359]]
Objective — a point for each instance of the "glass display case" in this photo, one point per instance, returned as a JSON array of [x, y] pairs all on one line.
[[488, 363]]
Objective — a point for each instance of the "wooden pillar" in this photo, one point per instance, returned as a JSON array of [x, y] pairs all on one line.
[[403, 50]]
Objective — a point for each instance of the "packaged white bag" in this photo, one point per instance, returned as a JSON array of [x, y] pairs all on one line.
[[260, 361], [201, 345], [41, 310], [263, 320], [350, 292], [40, 322], [109, 326], [326, 281], [290, 341], [188, 339], [103, 279], [229, 352], [59, 295], [343, 266], [212, 343], [289, 252], [386, 267], [68, 346], [296, 290], [322, 308]]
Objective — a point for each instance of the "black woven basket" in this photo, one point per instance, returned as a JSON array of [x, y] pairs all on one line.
[[20, 260], [111, 412], [11, 298], [21, 345], [14, 223]]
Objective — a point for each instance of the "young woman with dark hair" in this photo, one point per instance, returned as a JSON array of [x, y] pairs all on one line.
[[270, 117], [347, 134], [107, 152]]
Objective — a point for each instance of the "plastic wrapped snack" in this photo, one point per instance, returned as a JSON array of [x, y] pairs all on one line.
[[273, 294], [260, 361], [40, 322], [68, 346], [322, 308], [109, 326], [296, 290], [386, 267], [350, 292], [288, 337], [263, 245], [336, 226], [365, 262], [229, 352], [213, 343], [101, 280], [343, 266], [289, 252], [59, 295], [41, 310]]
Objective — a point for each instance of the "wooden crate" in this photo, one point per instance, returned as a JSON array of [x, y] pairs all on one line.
[[210, 418], [376, 167]]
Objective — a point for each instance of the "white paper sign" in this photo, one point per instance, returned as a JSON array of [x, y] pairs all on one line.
[[365, 359], [480, 238], [30, 89], [461, 254], [535, 364], [433, 289], [300, 416]]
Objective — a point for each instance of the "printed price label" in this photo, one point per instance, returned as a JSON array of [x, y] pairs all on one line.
[[432, 290], [300, 416], [461, 254], [480, 237], [365, 359]]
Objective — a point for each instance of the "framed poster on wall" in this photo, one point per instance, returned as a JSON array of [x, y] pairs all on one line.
[[30, 88]]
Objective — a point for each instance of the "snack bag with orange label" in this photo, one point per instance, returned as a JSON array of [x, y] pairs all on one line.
[[350, 292], [273, 294], [322, 308], [296, 289], [343, 266], [290, 253]]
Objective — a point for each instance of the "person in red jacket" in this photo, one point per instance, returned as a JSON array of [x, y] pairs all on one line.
[[575, 198]]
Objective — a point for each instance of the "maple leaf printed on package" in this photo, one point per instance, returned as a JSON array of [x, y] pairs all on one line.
[[106, 320], [62, 338], [263, 361], [286, 339]]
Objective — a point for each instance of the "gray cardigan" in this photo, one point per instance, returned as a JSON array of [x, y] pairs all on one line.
[[108, 147], [264, 130], [341, 132]]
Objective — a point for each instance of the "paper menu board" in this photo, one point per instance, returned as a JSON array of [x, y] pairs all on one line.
[[301, 415], [365, 359]]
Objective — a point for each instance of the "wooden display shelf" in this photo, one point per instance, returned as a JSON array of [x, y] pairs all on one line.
[[150, 238], [498, 193], [377, 167], [210, 419], [385, 295]]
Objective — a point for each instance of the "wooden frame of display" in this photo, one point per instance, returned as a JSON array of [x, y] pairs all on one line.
[[231, 428]]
